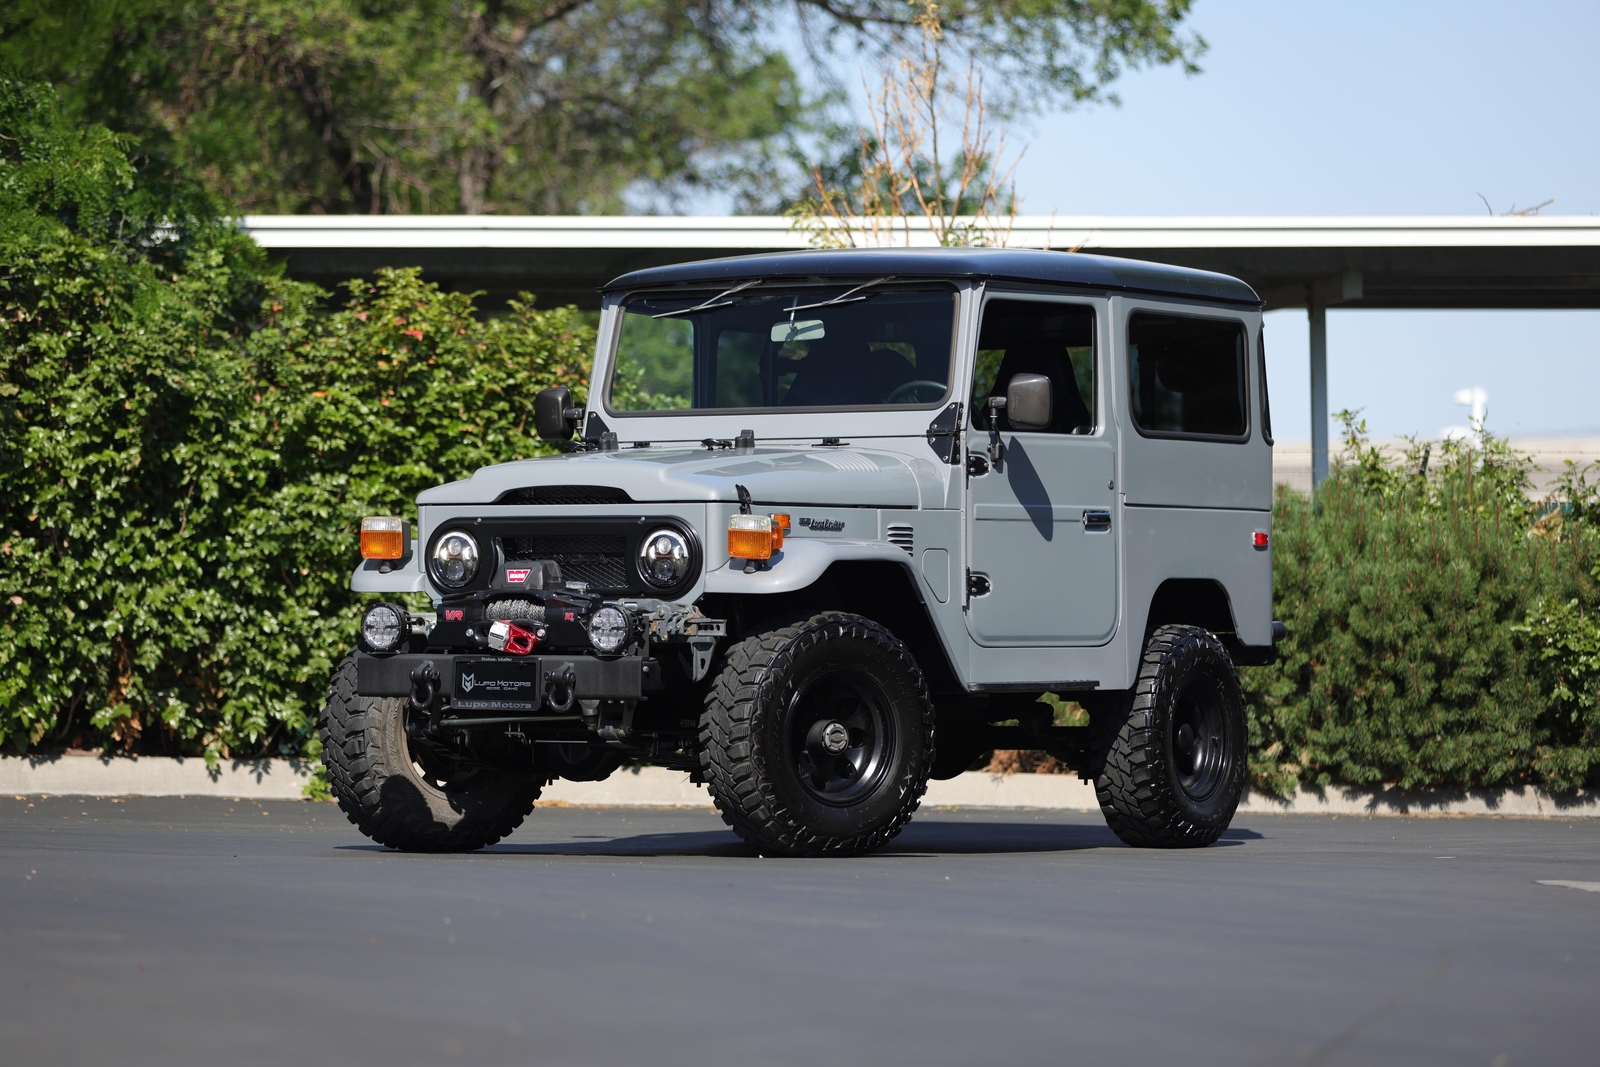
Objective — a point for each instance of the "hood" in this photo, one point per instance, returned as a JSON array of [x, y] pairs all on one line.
[[817, 476]]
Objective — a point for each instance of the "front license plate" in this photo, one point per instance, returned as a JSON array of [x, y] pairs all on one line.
[[496, 685]]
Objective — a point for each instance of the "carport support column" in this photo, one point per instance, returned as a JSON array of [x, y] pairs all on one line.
[[1317, 312]]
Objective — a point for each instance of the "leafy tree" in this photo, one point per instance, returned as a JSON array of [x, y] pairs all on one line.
[[528, 105], [190, 440]]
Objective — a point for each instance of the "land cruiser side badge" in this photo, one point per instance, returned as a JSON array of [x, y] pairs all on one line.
[[822, 525]]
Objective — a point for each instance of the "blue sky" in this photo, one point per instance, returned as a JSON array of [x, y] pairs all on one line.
[[1363, 108]]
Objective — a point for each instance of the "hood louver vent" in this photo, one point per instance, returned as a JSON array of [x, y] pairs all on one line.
[[904, 537], [565, 495]]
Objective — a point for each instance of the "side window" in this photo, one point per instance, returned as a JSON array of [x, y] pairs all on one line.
[[1266, 409], [1042, 337], [1187, 376]]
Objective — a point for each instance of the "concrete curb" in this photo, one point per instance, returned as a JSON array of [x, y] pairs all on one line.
[[1338, 800], [659, 787], [153, 776]]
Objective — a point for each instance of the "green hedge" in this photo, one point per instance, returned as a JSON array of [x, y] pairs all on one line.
[[1437, 635], [189, 440]]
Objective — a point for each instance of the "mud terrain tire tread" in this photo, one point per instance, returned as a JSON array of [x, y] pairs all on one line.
[[729, 739], [358, 756], [1134, 784]]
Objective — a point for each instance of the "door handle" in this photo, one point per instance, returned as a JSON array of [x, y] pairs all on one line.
[[1096, 521]]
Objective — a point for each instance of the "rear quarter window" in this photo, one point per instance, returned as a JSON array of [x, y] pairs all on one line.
[[1187, 376]]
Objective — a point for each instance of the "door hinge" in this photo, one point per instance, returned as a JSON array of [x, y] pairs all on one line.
[[944, 434]]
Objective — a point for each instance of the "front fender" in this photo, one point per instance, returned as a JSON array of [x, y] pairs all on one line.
[[799, 564]]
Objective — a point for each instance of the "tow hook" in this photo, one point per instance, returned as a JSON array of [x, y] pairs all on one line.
[[424, 696], [560, 689], [424, 686]]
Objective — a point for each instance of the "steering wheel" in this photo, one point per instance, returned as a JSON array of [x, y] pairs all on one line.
[[908, 388]]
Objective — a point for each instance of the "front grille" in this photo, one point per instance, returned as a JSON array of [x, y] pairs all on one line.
[[903, 536], [565, 494], [601, 560]]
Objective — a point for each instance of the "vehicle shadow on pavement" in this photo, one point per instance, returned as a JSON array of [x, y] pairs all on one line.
[[978, 838], [934, 837]]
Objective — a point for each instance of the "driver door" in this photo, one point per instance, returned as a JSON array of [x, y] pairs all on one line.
[[1040, 543]]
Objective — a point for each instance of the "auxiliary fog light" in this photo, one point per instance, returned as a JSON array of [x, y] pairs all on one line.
[[384, 626], [608, 630], [750, 536], [383, 537], [455, 558]]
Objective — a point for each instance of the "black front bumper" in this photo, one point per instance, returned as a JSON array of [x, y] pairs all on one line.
[[478, 682]]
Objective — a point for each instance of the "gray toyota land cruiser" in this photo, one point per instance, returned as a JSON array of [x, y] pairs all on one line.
[[829, 525]]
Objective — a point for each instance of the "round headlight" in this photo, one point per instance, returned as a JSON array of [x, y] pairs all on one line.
[[455, 558], [664, 558], [383, 626], [608, 629]]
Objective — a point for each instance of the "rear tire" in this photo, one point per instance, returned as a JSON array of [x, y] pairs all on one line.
[[402, 794], [1171, 759], [817, 738]]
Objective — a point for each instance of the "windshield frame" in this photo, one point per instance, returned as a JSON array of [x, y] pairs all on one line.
[[709, 290]]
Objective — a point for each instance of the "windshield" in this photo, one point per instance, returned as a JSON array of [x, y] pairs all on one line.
[[772, 347]]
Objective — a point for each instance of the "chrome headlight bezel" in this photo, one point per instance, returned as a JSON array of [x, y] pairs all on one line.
[[455, 559], [679, 556], [385, 627], [609, 630]]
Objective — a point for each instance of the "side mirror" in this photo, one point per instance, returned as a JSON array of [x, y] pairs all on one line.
[[1028, 401], [554, 417]]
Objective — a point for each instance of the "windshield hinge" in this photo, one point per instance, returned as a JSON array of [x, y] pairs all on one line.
[[944, 434], [597, 436]]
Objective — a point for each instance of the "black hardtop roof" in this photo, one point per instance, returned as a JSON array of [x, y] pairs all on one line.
[[1008, 264]]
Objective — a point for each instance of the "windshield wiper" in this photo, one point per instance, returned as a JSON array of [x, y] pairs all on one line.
[[709, 304], [846, 297]]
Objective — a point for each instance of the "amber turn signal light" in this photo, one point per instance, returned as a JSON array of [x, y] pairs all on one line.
[[780, 527], [750, 536], [383, 537]]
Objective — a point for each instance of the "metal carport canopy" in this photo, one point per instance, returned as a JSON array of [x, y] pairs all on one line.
[[1442, 262]]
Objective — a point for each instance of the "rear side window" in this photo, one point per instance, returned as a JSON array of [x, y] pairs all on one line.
[[1187, 376], [1266, 408]]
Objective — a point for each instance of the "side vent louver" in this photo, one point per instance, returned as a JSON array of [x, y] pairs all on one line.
[[904, 537]]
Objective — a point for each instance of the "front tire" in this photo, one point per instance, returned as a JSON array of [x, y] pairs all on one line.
[[1172, 759], [404, 794], [817, 738]]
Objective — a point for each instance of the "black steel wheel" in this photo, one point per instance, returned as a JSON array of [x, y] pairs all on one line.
[[817, 738], [1171, 757], [1199, 743], [409, 794], [841, 735]]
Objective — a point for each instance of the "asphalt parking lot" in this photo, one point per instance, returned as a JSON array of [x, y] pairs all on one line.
[[203, 930]]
